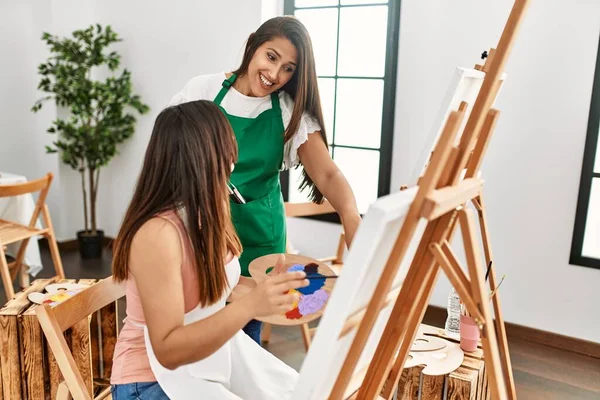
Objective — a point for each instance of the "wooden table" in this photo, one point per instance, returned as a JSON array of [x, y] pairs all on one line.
[[468, 382], [28, 368]]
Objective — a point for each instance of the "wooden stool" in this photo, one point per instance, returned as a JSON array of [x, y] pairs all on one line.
[[468, 382]]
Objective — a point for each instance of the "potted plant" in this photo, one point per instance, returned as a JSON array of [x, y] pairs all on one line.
[[99, 117]]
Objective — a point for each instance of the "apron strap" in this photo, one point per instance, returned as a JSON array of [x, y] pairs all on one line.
[[226, 85], [275, 103]]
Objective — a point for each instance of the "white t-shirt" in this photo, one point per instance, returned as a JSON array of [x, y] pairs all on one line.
[[207, 87]]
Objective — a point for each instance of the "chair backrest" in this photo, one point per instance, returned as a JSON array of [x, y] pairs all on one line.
[[41, 185], [55, 320], [17, 189]]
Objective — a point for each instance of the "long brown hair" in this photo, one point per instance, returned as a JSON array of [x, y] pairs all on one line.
[[186, 167], [302, 87]]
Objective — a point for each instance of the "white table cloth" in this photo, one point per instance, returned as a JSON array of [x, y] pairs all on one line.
[[19, 209]]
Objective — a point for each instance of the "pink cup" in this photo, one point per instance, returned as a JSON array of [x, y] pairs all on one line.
[[469, 334]]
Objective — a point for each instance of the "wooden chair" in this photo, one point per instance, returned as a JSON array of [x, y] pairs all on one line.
[[336, 261], [55, 321], [11, 232]]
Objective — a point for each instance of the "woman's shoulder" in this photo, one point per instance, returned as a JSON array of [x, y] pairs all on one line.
[[286, 102], [156, 231], [199, 87], [308, 125], [157, 239]]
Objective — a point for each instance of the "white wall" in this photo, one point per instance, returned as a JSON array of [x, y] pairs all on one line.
[[164, 46], [270, 9], [536, 151], [22, 133], [533, 165]]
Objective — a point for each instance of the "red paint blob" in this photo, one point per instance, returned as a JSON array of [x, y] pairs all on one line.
[[293, 314]]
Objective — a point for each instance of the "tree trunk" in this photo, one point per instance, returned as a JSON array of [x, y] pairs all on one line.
[[85, 209], [95, 193], [92, 200]]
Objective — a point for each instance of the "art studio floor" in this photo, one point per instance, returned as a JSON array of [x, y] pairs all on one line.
[[540, 372]]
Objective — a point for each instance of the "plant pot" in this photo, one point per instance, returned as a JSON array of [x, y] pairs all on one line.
[[90, 246]]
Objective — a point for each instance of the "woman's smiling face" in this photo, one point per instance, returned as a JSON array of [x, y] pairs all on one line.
[[272, 66]]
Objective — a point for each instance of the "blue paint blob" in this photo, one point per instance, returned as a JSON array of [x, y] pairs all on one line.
[[315, 284], [296, 267]]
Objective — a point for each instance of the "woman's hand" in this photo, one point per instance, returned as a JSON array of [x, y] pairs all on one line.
[[271, 296]]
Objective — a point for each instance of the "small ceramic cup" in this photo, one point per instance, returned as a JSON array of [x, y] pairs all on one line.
[[469, 334]]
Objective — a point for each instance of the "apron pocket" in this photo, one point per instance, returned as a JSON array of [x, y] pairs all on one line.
[[254, 221]]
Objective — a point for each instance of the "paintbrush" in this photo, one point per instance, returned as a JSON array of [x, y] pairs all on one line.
[[488, 271], [497, 287], [310, 277]]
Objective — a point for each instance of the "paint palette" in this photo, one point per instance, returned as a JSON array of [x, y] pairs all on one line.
[[312, 298], [54, 298]]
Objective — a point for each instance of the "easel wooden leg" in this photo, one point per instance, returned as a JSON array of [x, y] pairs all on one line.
[[481, 297], [500, 327]]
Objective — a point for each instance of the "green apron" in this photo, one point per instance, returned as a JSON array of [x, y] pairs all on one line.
[[260, 223]]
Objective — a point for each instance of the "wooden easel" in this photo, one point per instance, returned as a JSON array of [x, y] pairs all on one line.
[[441, 199]]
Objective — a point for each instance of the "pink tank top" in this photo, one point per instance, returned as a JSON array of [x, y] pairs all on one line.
[[130, 360]]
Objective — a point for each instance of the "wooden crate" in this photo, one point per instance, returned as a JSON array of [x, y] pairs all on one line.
[[27, 367], [468, 382]]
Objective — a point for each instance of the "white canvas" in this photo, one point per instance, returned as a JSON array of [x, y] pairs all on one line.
[[464, 86], [354, 288]]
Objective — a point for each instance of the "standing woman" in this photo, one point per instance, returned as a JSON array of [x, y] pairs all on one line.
[[272, 102]]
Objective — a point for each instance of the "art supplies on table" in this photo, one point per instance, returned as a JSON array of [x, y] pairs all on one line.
[[56, 293]]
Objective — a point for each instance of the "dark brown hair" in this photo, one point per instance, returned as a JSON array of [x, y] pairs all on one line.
[[186, 167], [302, 87]]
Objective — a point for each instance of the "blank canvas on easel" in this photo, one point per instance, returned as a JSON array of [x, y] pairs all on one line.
[[354, 288]]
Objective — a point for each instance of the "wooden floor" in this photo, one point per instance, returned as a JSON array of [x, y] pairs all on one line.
[[540, 372]]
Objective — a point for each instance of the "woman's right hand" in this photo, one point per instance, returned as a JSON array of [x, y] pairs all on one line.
[[271, 296]]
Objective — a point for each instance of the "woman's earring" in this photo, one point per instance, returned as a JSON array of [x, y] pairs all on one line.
[[232, 167]]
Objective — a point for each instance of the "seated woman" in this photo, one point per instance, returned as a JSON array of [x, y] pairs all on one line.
[[177, 252]]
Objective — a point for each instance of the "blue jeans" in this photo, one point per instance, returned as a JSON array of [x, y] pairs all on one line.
[[138, 391], [253, 329]]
